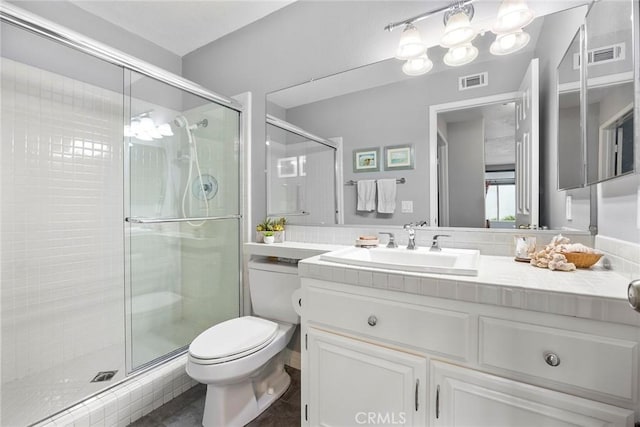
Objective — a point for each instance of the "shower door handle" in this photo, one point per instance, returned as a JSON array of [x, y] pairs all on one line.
[[138, 220]]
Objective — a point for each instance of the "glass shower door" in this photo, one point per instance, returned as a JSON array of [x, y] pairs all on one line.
[[183, 218]]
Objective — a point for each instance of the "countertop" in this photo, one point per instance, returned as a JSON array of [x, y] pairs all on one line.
[[295, 250], [594, 293]]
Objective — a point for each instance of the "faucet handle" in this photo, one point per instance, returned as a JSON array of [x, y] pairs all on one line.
[[434, 242], [392, 239]]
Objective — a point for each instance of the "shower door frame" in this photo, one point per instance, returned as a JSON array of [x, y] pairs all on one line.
[[337, 167], [23, 19]]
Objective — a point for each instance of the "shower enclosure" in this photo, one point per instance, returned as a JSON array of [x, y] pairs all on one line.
[[303, 172], [120, 216]]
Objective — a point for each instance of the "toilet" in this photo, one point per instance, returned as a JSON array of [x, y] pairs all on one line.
[[242, 360]]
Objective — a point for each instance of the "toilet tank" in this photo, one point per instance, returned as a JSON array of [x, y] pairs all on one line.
[[272, 285]]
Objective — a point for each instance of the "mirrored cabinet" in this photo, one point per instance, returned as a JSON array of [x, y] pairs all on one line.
[[610, 88]]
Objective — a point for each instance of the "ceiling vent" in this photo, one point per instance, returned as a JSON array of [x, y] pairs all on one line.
[[472, 81], [602, 55]]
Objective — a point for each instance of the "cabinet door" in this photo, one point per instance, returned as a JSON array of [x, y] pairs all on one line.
[[464, 397], [352, 382]]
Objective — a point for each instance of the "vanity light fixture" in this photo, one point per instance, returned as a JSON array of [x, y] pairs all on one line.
[[457, 26], [143, 128], [513, 15], [509, 43], [417, 66], [458, 34], [411, 45], [460, 55]]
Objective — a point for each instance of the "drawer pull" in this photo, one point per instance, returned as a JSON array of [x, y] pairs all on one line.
[[634, 294], [372, 320], [552, 359]]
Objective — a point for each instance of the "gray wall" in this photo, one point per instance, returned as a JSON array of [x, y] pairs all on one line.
[[397, 114], [466, 173], [557, 33], [76, 19], [570, 148]]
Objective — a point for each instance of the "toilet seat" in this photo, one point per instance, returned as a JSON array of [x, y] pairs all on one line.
[[232, 339]]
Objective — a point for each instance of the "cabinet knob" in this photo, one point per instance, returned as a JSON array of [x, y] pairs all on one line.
[[372, 320], [552, 359], [634, 294]]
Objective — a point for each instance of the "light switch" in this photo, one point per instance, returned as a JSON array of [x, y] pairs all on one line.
[[407, 206]]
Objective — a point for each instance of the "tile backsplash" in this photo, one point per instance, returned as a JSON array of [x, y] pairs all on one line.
[[489, 242]]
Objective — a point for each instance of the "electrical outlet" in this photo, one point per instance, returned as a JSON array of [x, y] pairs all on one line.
[[407, 206]]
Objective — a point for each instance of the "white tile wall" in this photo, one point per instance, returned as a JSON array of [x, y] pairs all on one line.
[[62, 239], [624, 256], [489, 242]]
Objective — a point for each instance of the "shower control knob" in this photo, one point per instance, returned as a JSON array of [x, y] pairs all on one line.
[[372, 320], [634, 294]]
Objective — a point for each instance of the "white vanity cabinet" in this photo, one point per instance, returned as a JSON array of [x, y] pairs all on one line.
[[466, 397], [374, 356], [356, 382]]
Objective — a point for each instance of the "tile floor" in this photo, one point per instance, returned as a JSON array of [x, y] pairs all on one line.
[[186, 410]]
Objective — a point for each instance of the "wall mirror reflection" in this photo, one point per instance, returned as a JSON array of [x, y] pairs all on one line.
[[571, 161], [379, 106], [301, 175], [610, 89]]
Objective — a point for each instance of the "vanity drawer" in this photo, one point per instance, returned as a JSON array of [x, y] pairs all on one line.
[[434, 330], [595, 363]]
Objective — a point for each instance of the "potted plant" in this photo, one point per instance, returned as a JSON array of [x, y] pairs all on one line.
[[275, 226], [268, 237]]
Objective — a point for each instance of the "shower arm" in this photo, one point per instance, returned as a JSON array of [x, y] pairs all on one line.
[[138, 220]]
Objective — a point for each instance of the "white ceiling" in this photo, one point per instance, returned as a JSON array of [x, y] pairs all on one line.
[[181, 26]]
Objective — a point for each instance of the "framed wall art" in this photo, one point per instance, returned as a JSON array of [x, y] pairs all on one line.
[[366, 160], [398, 157]]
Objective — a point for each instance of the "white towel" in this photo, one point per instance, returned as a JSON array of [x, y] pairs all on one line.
[[366, 195], [386, 195]]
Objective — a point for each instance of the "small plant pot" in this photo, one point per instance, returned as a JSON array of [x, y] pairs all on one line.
[[269, 239]]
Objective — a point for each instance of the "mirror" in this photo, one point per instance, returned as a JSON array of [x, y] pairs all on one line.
[[300, 184], [570, 144], [610, 89], [375, 107], [490, 185]]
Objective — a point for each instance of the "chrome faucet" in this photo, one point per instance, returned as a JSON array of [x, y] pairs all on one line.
[[392, 239], [412, 235], [434, 242]]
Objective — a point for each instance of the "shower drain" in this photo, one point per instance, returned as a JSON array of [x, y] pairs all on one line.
[[103, 376]]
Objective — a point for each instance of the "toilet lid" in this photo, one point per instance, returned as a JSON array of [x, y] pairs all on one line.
[[232, 337]]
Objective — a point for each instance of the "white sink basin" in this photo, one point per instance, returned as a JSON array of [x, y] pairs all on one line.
[[421, 260]]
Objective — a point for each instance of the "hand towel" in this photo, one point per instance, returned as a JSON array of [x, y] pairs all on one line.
[[386, 195], [366, 195]]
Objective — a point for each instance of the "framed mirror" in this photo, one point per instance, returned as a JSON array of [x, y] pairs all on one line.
[[610, 89], [571, 153]]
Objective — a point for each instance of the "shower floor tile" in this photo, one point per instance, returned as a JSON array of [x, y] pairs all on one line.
[[37, 396], [186, 410]]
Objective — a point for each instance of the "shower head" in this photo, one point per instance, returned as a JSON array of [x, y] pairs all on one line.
[[181, 122]]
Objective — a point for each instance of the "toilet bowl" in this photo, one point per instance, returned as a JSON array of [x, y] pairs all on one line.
[[242, 360]]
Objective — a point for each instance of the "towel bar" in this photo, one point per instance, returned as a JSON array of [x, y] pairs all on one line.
[[398, 181]]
